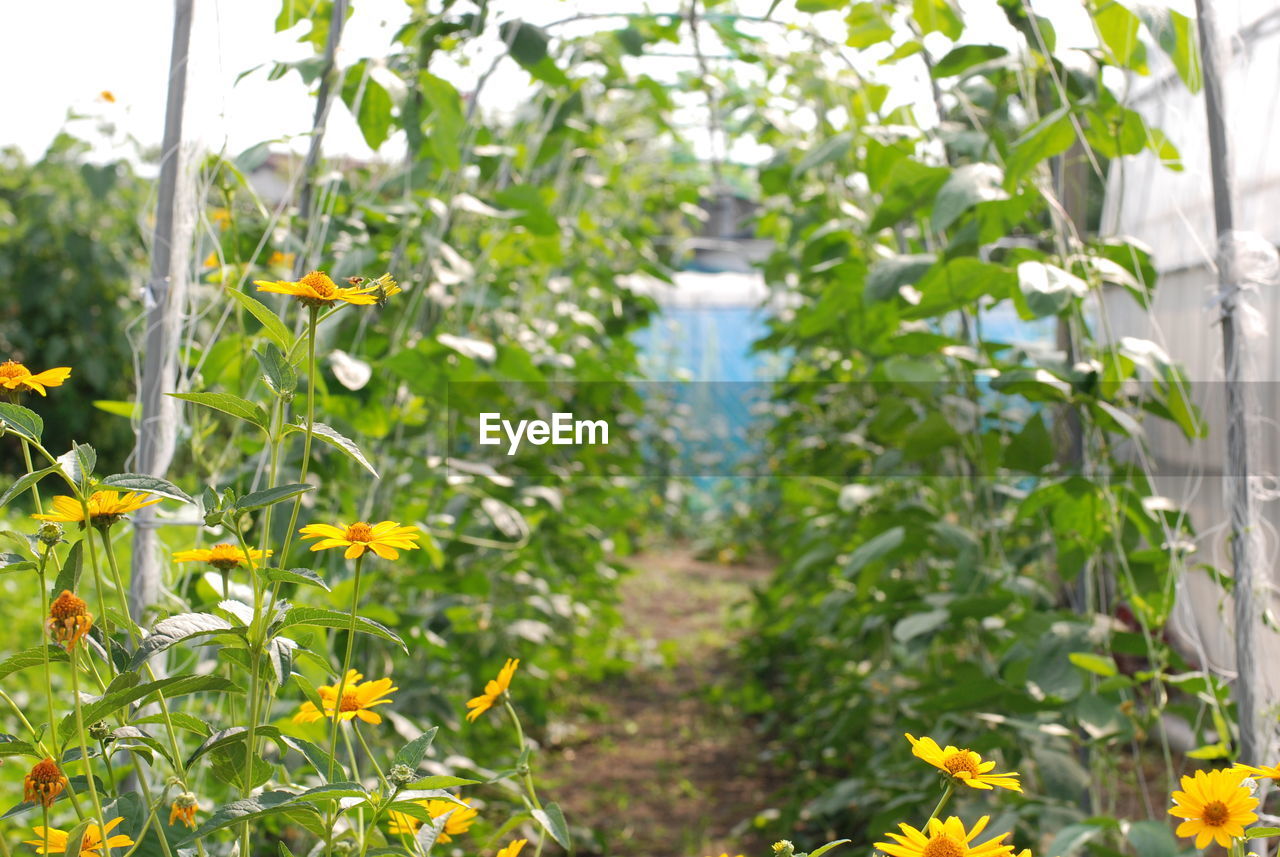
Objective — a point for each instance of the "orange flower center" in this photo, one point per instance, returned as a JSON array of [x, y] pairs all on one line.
[[961, 762], [942, 845], [350, 701], [224, 556], [360, 532], [320, 283], [46, 773], [1215, 813], [67, 606], [13, 369]]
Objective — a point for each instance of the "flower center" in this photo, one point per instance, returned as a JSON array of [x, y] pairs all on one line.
[[320, 282], [67, 605], [1215, 813], [224, 556], [46, 772], [360, 532], [13, 369], [941, 845], [961, 762], [350, 701]]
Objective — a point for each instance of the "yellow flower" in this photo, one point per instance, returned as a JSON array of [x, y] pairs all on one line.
[[494, 689], [211, 261], [316, 289], [69, 619], [105, 507], [382, 539], [282, 260], [965, 766], [944, 839], [513, 849], [1272, 772], [15, 376], [222, 556], [460, 819], [1215, 805], [221, 216], [53, 841], [358, 697], [107, 96], [726, 854], [184, 810], [43, 783]]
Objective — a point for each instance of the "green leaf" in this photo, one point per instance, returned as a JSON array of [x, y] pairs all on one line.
[[411, 754], [887, 276], [937, 16], [226, 737], [23, 482], [526, 43], [1153, 839], [874, 549], [1051, 136], [75, 839], [919, 624], [1260, 832], [908, 186], [176, 629], [336, 619], [447, 119], [272, 326], [250, 808], [552, 821], [114, 700], [271, 496], [336, 439], [277, 371], [964, 57], [32, 657], [968, 186], [1118, 29], [867, 26], [1102, 665], [370, 103], [1178, 36], [69, 577], [233, 405], [147, 484], [825, 152], [825, 848], [443, 781], [301, 576], [1032, 449], [1047, 289], [128, 410], [21, 421]]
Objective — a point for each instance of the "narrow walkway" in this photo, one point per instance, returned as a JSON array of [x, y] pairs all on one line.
[[655, 763]]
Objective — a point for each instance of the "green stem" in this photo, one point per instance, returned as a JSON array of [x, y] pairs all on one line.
[[306, 440], [84, 748], [346, 667], [528, 770], [44, 645], [946, 796]]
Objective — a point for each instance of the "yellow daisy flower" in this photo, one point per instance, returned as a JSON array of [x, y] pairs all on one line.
[[492, 691], [43, 783], [460, 819], [282, 260], [1272, 772], [316, 289], [358, 696], [53, 841], [1214, 805], [69, 619], [14, 376], [513, 849], [221, 556], [383, 539], [105, 507], [963, 765], [944, 839]]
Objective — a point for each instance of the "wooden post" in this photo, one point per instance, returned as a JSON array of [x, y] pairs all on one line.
[[165, 297], [1240, 500]]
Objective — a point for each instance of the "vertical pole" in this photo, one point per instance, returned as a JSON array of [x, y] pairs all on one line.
[[1239, 498], [165, 296]]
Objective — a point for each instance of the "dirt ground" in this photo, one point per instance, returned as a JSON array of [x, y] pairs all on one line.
[[660, 767]]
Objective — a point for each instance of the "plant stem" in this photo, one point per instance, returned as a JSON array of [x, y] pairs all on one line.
[[528, 772], [305, 466], [946, 796], [84, 747], [346, 667]]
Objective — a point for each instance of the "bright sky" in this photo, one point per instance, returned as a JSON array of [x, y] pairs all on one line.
[[98, 48]]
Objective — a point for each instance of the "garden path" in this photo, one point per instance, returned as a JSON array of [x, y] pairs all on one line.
[[657, 763]]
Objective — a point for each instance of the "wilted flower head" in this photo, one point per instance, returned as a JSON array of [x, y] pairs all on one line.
[[43, 783], [69, 619], [184, 809]]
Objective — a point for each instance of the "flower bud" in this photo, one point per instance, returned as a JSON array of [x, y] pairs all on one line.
[[50, 533]]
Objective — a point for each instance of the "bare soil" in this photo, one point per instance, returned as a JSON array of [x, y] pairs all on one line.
[[656, 763]]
